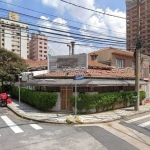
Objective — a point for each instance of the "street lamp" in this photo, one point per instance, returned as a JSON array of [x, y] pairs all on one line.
[[20, 77]]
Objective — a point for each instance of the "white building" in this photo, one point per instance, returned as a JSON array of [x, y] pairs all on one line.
[[14, 36]]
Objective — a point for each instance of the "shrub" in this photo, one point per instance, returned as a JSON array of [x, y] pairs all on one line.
[[40, 100], [142, 95], [105, 101]]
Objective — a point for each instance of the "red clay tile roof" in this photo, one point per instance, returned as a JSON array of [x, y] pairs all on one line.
[[129, 73], [93, 54], [95, 64], [91, 64], [32, 63]]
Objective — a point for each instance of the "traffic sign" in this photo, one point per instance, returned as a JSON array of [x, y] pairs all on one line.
[[78, 77]]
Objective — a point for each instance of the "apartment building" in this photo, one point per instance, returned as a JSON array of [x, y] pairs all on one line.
[[38, 47], [14, 35], [132, 20]]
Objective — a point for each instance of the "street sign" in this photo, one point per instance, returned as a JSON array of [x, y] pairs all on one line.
[[78, 77]]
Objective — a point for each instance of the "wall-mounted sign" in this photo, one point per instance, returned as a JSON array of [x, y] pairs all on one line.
[[69, 63], [13, 16]]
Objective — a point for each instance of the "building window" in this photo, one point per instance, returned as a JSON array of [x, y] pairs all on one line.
[[133, 64], [40, 42], [45, 47], [120, 63], [40, 46], [45, 43], [45, 51]]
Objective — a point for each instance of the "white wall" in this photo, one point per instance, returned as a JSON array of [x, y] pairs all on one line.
[[25, 74], [7, 39], [24, 43]]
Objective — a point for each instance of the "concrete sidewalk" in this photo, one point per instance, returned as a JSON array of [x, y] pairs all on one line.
[[28, 112]]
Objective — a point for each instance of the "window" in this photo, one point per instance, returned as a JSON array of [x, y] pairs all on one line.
[[45, 43], [45, 51], [120, 63], [40, 42], [40, 46], [45, 47]]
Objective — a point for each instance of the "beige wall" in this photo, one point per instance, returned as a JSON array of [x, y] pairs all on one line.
[[108, 57], [128, 60]]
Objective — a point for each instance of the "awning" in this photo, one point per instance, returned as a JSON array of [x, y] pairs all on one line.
[[85, 82], [113, 82]]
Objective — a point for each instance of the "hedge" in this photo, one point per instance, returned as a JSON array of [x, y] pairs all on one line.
[[105, 101], [40, 100]]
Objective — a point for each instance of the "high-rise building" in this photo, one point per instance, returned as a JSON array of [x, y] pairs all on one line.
[[132, 24], [38, 47], [14, 35]]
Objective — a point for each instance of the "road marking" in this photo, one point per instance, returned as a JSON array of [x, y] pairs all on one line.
[[144, 124], [136, 119], [12, 125], [35, 126]]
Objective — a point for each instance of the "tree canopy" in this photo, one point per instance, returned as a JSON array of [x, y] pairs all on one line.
[[10, 64]]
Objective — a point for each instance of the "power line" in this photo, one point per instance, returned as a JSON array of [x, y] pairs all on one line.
[[56, 30], [76, 37], [92, 9], [59, 24], [59, 17], [60, 42]]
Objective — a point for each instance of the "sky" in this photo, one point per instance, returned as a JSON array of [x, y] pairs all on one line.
[[54, 12]]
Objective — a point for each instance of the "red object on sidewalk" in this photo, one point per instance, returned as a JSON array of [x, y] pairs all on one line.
[[3, 96], [9, 100]]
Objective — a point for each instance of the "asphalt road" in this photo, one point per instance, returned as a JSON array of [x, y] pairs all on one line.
[[140, 123], [20, 134]]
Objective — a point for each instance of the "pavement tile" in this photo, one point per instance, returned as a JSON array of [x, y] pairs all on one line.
[[29, 112]]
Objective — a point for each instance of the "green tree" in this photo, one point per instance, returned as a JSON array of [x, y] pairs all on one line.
[[10, 64]]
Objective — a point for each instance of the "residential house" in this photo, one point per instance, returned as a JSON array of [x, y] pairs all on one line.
[[98, 77]]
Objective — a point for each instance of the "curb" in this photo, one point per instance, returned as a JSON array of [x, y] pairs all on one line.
[[90, 122], [29, 118]]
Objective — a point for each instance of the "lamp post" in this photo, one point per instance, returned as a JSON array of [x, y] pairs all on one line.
[[20, 76]]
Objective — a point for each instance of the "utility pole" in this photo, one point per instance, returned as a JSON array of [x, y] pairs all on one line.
[[137, 58]]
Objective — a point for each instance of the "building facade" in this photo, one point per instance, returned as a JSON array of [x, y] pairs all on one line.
[[131, 25], [108, 70], [14, 36], [38, 47]]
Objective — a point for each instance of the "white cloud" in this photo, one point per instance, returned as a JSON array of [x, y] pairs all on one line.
[[107, 26], [59, 48], [76, 12], [103, 25]]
